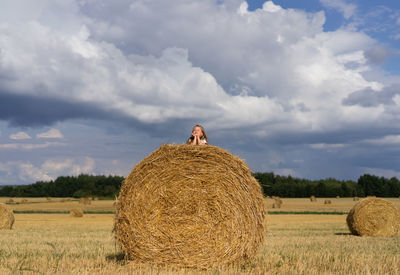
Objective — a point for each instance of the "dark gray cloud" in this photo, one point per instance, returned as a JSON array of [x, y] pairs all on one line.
[[371, 98], [32, 111], [378, 54]]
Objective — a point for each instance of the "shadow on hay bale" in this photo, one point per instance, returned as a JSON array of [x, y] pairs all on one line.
[[190, 206], [6, 217], [374, 217]]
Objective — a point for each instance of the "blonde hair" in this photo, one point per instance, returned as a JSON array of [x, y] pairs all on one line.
[[204, 136]]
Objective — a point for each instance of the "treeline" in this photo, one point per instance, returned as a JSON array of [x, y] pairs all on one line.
[[272, 185], [289, 187], [68, 186]]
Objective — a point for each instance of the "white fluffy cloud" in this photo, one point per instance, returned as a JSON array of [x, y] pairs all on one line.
[[20, 135], [235, 68], [52, 133], [48, 170], [29, 146], [68, 166]]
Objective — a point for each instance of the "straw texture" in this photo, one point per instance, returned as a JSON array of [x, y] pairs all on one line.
[[76, 212], [190, 206], [374, 217], [6, 217]]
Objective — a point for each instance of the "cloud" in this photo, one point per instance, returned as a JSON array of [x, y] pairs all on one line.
[[26, 171], [326, 146], [95, 67], [347, 9], [271, 7], [52, 133], [20, 135], [26, 146], [378, 54], [69, 166], [33, 111], [330, 148], [386, 140], [265, 78], [372, 98]]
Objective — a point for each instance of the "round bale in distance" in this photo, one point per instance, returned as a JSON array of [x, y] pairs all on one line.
[[190, 206], [76, 212], [374, 217], [6, 217]]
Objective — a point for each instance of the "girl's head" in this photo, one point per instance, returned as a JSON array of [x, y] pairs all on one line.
[[199, 130]]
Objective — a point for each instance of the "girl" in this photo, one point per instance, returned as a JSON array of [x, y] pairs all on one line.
[[198, 136]]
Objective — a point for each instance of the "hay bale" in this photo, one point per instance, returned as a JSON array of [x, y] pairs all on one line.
[[374, 217], [327, 202], [338, 197], [356, 199], [313, 198], [76, 212], [6, 217], [85, 201], [24, 201], [278, 200], [190, 206], [48, 199], [276, 205], [10, 201]]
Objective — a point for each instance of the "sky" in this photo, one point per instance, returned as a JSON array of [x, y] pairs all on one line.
[[309, 88]]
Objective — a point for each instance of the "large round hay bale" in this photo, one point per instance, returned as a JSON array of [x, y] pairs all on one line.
[[374, 217], [190, 206], [6, 217]]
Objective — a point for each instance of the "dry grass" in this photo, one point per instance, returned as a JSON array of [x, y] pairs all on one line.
[[290, 204], [59, 204], [295, 244]]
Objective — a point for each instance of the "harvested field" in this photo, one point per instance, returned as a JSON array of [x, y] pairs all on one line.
[[294, 244]]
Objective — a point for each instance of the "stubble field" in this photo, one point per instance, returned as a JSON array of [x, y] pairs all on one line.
[[44, 243]]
